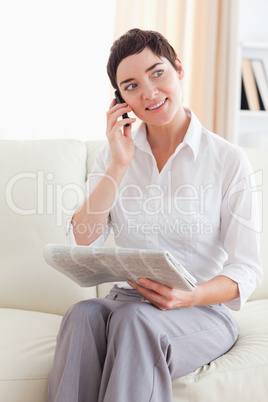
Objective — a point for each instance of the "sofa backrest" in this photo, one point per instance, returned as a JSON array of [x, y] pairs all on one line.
[[42, 182]]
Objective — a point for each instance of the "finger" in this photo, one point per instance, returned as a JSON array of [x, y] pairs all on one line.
[[154, 298], [118, 110], [156, 286], [115, 113], [145, 292], [115, 106], [166, 293], [122, 122], [128, 130], [119, 124], [113, 103]]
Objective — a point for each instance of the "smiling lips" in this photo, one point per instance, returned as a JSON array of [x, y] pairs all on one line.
[[157, 105]]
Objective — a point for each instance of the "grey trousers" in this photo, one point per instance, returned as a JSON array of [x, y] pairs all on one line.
[[123, 349]]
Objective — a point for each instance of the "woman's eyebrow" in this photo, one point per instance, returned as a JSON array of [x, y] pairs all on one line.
[[125, 81], [152, 67], [148, 69]]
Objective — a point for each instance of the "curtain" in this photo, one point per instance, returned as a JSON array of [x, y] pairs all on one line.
[[204, 34]]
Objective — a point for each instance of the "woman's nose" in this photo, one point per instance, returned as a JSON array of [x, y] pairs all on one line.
[[149, 92]]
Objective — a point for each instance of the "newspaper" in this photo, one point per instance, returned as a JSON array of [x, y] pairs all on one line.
[[91, 266]]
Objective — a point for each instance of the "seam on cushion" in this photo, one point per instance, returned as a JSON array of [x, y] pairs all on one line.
[[197, 376], [24, 379]]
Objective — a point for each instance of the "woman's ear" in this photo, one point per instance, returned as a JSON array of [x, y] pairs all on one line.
[[180, 69]]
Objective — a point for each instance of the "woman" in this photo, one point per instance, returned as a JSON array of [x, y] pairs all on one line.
[[172, 186]]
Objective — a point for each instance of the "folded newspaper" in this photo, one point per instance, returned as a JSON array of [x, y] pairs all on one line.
[[91, 266]]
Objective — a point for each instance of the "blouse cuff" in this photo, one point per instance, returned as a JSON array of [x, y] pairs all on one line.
[[69, 233], [246, 285], [70, 239]]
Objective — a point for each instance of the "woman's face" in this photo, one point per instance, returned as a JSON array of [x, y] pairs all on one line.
[[151, 86]]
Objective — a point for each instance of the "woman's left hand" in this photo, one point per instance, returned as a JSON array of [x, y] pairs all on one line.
[[163, 297], [219, 289]]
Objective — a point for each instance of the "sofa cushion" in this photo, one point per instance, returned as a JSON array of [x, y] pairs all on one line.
[[245, 365], [28, 339], [93, 148], [43, 180], [27, 344]]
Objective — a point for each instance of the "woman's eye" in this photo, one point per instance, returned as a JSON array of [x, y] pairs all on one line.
[[130, 87], [158, 73]]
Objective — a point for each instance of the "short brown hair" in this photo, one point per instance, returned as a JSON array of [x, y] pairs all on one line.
[[135, 41]]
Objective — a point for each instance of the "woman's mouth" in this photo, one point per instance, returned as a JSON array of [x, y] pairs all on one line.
[[157, 105]]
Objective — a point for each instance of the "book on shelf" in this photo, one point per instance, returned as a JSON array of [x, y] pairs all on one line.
[[249, 86], [244, 101], [261, 81]]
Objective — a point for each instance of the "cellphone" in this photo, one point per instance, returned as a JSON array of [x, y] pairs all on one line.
[[119, 99]]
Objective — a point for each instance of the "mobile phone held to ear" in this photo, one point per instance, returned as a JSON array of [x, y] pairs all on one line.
[[119, 99]]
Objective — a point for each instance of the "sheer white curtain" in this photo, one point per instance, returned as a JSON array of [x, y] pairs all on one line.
[[205, 35], [53, 55]]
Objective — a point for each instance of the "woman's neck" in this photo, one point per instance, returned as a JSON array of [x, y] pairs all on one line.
[[168, 137]]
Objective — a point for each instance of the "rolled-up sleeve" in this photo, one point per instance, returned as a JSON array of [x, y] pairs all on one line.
[[240, 227], [70, 239], [98, 171]]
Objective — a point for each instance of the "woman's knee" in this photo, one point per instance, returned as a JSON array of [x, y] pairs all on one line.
[[130, 330], [85, 310], [128, 318]]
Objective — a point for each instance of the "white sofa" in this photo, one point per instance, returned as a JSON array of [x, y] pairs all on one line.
[[41, 181]]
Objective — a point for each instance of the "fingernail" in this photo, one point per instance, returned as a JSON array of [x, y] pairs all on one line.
[[142, 280]]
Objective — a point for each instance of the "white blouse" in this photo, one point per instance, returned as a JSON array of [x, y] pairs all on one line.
[[202, 207]]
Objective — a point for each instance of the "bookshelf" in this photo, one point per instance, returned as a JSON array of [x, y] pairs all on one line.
[[251, 126]]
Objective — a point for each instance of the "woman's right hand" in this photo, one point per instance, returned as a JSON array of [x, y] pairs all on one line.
[[121, 143]]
